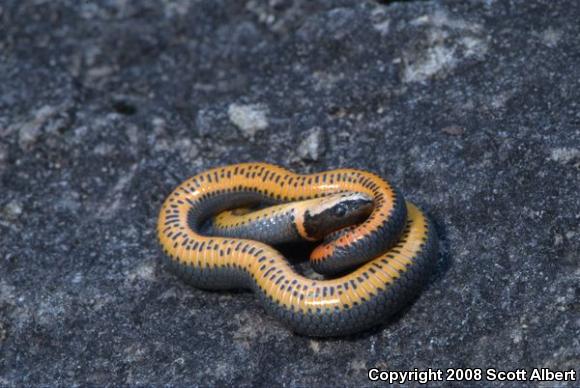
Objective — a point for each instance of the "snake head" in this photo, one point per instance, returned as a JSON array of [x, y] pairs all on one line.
[[329, 214]]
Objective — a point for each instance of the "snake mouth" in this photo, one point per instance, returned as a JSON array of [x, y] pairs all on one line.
[[336, 212]]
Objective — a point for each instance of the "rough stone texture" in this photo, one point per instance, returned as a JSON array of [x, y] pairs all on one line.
[[471, 108]]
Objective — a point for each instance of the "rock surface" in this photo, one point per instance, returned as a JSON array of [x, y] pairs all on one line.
[[472, 109]]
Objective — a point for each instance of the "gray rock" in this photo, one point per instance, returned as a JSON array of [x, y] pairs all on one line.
[[469, 108], [12, 210], [312, 147], [250, 119]]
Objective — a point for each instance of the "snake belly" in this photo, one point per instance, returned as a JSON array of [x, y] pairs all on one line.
[[392, 252]]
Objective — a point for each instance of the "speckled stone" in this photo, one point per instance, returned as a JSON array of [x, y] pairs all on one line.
[[471, 109]]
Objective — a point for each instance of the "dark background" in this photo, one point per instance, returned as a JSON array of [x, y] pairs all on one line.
[[471, 108]]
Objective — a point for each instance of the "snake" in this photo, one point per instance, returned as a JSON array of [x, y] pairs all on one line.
[[219, 230]]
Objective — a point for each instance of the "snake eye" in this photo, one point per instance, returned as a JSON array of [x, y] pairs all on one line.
[[340, 210]]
